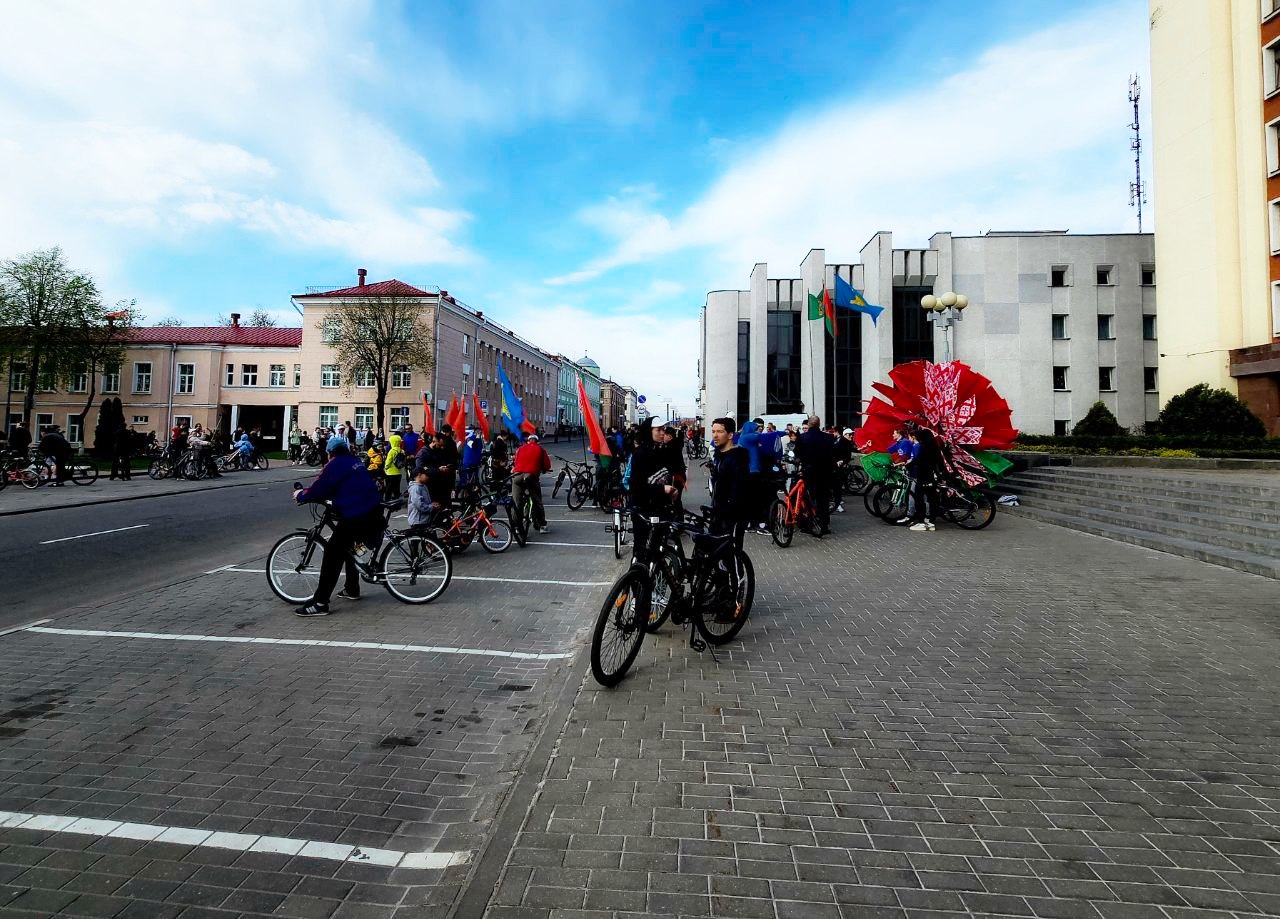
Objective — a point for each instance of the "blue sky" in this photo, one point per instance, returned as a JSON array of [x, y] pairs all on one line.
[[584, 173]]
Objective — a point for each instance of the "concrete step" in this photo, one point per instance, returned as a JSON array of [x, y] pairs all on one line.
[[1266, 566], [1227, 519], [1186, 497], [1257, 487]]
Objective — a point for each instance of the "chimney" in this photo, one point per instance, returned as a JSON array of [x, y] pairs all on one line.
[[235, 320], [444, 295], [361, 274]]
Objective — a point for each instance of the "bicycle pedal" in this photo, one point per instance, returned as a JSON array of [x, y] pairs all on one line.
[[697, 644]]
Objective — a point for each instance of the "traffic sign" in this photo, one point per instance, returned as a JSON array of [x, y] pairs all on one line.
[[641, 400], [484, 405]]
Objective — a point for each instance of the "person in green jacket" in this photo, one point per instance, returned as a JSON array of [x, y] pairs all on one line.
[[393, 468]]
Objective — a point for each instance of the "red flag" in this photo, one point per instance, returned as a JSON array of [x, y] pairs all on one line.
[[481, 418], [599, 446], [428, 416], [459, 422], [451, 413]]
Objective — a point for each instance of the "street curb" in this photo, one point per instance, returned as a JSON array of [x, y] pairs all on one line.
[[483, 884], [154, 494]]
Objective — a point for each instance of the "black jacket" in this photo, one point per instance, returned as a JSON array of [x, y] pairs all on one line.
[[20, 440], [648, 463], [816, 453], [730, 491]]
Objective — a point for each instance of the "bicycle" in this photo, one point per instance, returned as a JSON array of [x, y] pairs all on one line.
[[520, 516], [714, 592], [970, 508], [792, 509], [891, 499], [579, 477], [413, 566], [621, 529], [476, 519], [696, 449]]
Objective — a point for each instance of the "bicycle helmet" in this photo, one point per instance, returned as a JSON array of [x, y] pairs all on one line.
[[337, 444]]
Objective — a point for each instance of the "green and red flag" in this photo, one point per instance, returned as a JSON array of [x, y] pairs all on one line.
[[829, 312], [815, 307]]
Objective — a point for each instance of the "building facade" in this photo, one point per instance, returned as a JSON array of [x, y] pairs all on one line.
[[613, 405], [225, 377], [1056, 321], [1215, 103], [568, 407]]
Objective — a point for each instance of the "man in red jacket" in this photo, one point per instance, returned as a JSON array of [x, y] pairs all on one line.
[[530, 462]]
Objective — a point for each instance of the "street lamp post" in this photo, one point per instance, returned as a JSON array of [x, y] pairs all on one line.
[[944, 312]]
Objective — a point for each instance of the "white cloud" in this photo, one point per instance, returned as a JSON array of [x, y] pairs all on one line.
[[133, 124], [1031, 135]]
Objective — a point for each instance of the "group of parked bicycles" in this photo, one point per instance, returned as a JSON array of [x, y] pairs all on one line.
[[198, 464], [33, 469]]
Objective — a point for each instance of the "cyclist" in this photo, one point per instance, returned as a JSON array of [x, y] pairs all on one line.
[[356, 501], [815, 451], [924, 468], [393, 468], [244, 451], [499, 457], [472, 456], [731, 484], [56, 447], [530, 463], [652, 481]]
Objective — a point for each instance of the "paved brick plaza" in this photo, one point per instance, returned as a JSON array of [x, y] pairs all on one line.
[[1023, 721]]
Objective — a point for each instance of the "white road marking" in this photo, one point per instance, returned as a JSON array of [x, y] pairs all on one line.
[[136, 526], [223, 568], [23, 628], [463, 577], [307, 642], [239, 842]]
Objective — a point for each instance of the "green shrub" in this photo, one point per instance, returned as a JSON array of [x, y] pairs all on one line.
[[1203, 410], [1099, 422]]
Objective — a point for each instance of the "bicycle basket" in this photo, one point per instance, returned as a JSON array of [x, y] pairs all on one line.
[[715, 548]]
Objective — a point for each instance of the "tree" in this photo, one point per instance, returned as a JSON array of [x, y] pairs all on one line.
[[94, 340], [1098, 422], [40, 299], [1202, 410], [259, 318], [373, 336], [169, 322]]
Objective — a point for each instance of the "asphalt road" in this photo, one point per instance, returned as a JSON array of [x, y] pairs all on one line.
[[158, 541]]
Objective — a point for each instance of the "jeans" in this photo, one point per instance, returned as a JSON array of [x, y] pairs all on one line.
[[527, 485]]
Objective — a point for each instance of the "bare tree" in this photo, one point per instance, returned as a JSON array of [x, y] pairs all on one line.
[[259, 318], [169, 322], [373, 337], [95, 339]]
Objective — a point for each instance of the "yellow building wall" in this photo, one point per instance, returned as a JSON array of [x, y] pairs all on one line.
[[1208, 188]]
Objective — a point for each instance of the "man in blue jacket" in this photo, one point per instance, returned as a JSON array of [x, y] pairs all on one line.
[[348, 485]]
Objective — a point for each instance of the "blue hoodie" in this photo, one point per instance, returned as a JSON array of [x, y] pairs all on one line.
[[749, 439]]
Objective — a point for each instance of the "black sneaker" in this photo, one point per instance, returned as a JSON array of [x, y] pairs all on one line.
[[345, 595], [312, 609]]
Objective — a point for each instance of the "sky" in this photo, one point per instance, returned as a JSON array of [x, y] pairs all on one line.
[[583, 172]]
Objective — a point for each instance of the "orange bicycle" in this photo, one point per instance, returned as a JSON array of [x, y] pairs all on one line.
[[791, 509], [476, 520]]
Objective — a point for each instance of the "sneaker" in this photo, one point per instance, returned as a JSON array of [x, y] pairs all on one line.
[[839, 508], [825, 531], [922, 527], [544, 530], [312, 609], [902, 520], [930, 524], [345, 595]]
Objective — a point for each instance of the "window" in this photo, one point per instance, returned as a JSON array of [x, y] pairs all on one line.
[[330, 330], [1060, 428], [43, 420], [1270, 68], [1059, 378], [182, 421], [231, 374], [1106, 379], [399, 417], [277, 374], [1105, 330], [75, 433], [744, 369], [365, 377], [249, 374], [1149, 379], [80, 380], [1058, 276], [782, 361], [1269, 8], [1147, 276], [297, 374], [466, 344], [1273, 147], [1275, 308], [111, 378], [18, 378], [47, 382], [1148, 328], [142, 377], [1104, 276], [141, 419], [364, 418], [401, 376], [1060, 326], [328, 416], [329, 376], [1273, 211], [186, 379]]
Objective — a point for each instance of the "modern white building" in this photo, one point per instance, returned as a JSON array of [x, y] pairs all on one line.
[[1056, 321]]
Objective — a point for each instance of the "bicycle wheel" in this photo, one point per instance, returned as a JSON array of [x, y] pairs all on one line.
[[496, 537], [555, 489], [158, 469], [856, 481], [84, 472], [971, 511], [666, 577], [30, 476], [577, 495], [781, 527], [293, 567], [868, 499], [617, 534], [261, 462], [723, 618], [416, 569], [618, 634], [890, 502], [313, 458]]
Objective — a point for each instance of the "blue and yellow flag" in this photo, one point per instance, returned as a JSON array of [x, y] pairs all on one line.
[[512, 407], [851, 298]]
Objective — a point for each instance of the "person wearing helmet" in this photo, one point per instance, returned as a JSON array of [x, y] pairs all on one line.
[[346, 483]]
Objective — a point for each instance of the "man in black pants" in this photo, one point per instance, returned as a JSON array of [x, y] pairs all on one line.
[[731, 485], [924, 470], [816, 453]]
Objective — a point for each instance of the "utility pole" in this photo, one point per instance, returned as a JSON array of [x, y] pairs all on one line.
[[1137, 191]]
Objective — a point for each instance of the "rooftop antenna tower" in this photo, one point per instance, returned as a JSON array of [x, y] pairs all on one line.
[[1137, 190]]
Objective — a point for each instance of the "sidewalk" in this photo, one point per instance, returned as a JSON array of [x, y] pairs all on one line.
[[18, 500], [1025, 721]]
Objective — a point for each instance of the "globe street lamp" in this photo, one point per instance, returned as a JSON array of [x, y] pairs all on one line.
[[944, 312]]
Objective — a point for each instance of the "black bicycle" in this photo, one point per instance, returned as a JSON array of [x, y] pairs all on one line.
[[413, 566], [713, 591]]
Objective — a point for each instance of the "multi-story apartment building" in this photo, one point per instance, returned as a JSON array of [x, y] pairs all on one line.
[[1056, 321], [613, 405], [1215, 102]]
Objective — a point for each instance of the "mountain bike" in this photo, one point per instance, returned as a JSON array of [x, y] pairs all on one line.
[[968, 507], [569, 476], [476, 519], [520, 516], [792, 509], [891, 499], [412, 566], [696, 449], [713, 592]]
